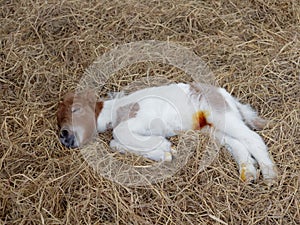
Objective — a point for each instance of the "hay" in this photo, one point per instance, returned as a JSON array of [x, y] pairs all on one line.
[[251, 46]]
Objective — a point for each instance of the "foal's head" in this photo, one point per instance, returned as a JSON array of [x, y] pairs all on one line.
[[76, 117]]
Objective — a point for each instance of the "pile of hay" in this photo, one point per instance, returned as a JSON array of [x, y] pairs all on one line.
[[252, 47]]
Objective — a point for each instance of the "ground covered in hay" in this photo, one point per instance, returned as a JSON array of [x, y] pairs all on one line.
[[251, 46]]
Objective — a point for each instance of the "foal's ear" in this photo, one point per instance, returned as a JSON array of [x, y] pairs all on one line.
[[68, 96], [91, 96]]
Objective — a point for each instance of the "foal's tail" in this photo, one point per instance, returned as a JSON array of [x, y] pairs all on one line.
[[248, 114]]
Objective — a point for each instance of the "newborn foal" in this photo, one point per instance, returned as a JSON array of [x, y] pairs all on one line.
[[142, 120]]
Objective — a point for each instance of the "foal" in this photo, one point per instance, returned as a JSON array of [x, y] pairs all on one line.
[[142, 120]]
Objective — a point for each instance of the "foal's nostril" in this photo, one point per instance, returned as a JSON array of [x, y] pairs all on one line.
[[64, 133], [67, 138]]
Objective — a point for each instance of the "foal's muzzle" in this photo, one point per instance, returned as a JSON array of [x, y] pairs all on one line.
[[68, 138]]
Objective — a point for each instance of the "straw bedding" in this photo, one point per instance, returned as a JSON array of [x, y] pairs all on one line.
[[252, 47]]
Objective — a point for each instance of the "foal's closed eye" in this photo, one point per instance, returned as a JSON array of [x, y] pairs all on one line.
[[76, 109]]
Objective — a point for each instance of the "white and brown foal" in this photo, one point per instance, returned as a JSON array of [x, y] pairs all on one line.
[[141, 121]]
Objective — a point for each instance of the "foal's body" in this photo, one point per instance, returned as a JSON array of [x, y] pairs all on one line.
[[142, 120]]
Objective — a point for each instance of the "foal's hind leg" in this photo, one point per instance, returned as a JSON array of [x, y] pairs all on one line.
[[241, 155], [237, 129]]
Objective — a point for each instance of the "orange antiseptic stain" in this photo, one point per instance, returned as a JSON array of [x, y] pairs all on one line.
[[243, 173], [200, 120]]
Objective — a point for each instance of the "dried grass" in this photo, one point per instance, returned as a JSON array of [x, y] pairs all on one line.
[[251, 46]]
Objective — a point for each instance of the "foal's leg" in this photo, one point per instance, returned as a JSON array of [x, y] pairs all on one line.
[[241, 155], [255, 145], [128, 136]]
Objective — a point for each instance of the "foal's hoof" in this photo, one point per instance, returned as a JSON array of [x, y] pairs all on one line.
[[248, 173], [270, 174], [173, 151], [271, 182], [168, 157]]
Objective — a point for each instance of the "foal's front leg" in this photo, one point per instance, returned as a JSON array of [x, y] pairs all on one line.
[[128, 136]]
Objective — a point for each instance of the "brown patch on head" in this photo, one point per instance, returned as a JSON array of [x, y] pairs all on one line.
[[200, 120], [63, 114], [126, 112], [78, 114], [98, 108], [85, 99]]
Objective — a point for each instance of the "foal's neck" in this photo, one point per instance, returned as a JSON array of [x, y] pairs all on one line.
[[104, 119]]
